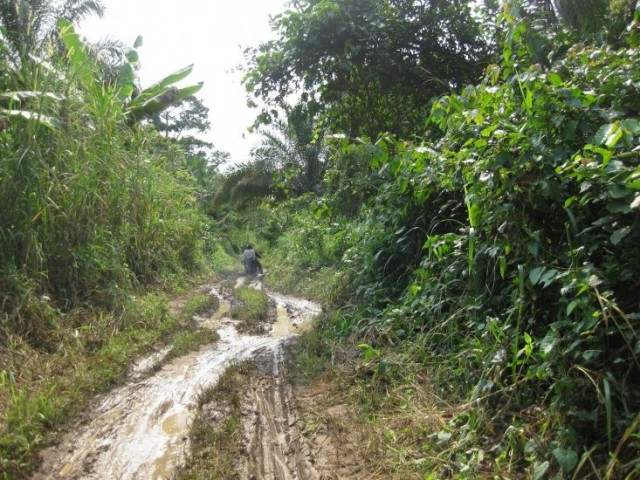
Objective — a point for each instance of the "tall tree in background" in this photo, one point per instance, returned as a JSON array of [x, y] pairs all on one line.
[[373, 64], [184, 124], [295, 147]]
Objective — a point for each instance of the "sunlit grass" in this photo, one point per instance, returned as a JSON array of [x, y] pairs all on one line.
[[200, 305], [252, 308]]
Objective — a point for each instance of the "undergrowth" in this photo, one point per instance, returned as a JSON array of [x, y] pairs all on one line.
[[216, 435], [491, 270], [43, 390]]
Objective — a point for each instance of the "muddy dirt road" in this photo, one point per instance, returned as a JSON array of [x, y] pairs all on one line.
[[140, 430]]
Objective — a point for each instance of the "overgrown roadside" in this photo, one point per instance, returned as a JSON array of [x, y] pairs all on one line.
[[41, 391], [252, 422]]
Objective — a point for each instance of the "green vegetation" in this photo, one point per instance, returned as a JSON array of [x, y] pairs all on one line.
[[217, 432], [251, 310], [98, 210], [459, 183], [41, 389], [200, 305], [482, 257]]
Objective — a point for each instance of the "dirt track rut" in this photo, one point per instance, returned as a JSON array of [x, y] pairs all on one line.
[[140, 430]]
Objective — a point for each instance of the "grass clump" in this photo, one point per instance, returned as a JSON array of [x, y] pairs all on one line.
[[189, 340], [201, 305], [217, 432], [252, 309]]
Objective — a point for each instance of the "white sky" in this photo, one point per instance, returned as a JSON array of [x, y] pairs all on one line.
[[208, 33]]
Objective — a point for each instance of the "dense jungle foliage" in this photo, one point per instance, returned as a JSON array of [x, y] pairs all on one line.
[[96, 208], [458, 181], [485, 241]]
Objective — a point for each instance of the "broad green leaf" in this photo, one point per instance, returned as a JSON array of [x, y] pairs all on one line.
[[613, 135], [555, 79], [601, 134], [632, 125], [572, 306], [548, 342], [22, 95], [635, 203], [566, 458], [132, 56], [548, 277], [618, 191], [474, 214], [33, 116], [618, 235], [162, 86], [486, 132], [618, 206], [540, 469], [83, 65], [535, 275]]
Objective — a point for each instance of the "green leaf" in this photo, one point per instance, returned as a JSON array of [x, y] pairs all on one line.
[[618, 191], [548, 277], [49, 122], [572, 306], [22, 95], [618, 235], [548, 342], [534, 248], [555, 79], [535, 275], [566, 458], [613, 134], [161, 87], [632, 125], [540, 469]]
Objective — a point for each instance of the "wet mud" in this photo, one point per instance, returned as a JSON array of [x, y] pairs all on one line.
[[140, 430]]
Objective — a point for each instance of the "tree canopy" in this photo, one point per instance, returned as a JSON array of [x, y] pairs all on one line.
[[373, 64]]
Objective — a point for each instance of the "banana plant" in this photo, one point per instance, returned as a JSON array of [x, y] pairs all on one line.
[[14, 109], [121, 95]]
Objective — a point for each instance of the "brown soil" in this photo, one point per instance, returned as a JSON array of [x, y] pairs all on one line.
[[287, 433]]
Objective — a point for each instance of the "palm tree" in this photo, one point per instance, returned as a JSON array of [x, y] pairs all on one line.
[[583, 16], [28, 26], [294, 146]]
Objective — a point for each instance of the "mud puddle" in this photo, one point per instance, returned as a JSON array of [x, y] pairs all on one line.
[[140, 430]]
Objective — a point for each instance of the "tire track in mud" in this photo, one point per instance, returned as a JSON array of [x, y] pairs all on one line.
[[140, 430], [273, 442]]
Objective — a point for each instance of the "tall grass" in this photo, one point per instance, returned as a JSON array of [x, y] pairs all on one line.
[[93, 210]]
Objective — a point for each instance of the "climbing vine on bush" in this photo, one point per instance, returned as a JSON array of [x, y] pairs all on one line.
[[524, 282]]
